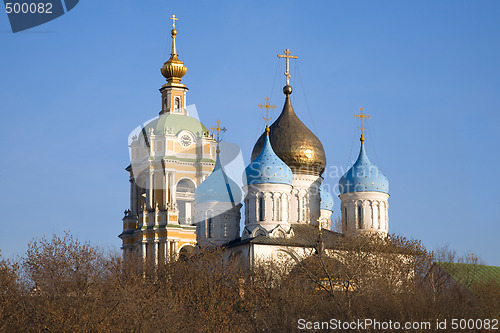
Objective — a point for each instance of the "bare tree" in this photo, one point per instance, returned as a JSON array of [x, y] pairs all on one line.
[[64, 285]]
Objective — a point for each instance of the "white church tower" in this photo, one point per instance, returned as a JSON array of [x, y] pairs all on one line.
[[218, 205], [268, 191], [364, 194], [302, 151]]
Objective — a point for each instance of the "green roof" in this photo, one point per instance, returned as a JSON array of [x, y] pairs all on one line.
[[176, 123], [468, 274]]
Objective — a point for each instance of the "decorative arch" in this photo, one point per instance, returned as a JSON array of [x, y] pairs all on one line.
[[259, 232], [278, 232], [186, 179], [186, 251], [184, 194]]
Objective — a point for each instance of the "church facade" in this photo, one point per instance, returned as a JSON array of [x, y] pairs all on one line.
[[182, 198]]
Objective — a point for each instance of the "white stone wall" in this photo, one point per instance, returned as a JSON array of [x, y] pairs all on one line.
[[326, 218], [251, 255], [365, 212], [267, 209], [217, 223], [305, 203]]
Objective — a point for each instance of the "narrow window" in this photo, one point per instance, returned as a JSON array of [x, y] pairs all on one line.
[[261, 208], [225, 226], [210, 228], [360, 216], [278, 209], [303, 209], [247, 209], [345, 216], [177, 104]]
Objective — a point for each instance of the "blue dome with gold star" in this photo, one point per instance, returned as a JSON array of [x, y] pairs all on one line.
[[267, 167], [326, 199], [363, 176], [218, 187]]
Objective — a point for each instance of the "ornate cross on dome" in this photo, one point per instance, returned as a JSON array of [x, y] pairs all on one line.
[[321, 220], [288, 57], [362, 116], [218, 129], [267, 106], [173, 18]]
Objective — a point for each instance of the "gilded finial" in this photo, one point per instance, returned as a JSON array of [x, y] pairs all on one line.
[[173, 18], [287, 56], [173, 70], [362, 116], [218, 129], [267, 106]]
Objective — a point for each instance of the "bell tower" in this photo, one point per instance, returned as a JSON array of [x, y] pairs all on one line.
[[169, 158]]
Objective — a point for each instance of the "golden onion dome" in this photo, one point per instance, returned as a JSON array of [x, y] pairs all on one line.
[[293, 142], [173, 70]]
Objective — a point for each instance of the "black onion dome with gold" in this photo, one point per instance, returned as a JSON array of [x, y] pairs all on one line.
[[293, 142]]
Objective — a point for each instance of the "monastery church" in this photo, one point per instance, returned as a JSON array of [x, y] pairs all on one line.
[[181, 197]]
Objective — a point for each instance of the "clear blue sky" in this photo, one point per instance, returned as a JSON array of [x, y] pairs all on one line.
[[428, 73]]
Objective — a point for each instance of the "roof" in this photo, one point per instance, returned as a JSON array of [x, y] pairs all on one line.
[[175, 123], [218, 187], [467, 274], [304, 235], [307, 235], [268, 168], [363, 176]]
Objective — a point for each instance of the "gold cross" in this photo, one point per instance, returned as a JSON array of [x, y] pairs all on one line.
[[267, 106], [173, 18], [321, 220], [218, 129], [288, 57], [362, 116]]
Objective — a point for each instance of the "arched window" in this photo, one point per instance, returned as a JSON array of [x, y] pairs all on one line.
[[210, 228], [225, 226], [277, 213], [177, 104], [360, 216], [184, 193], [345, 216], [247, 209], [376, 221], [261, 208], [303, 208]]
